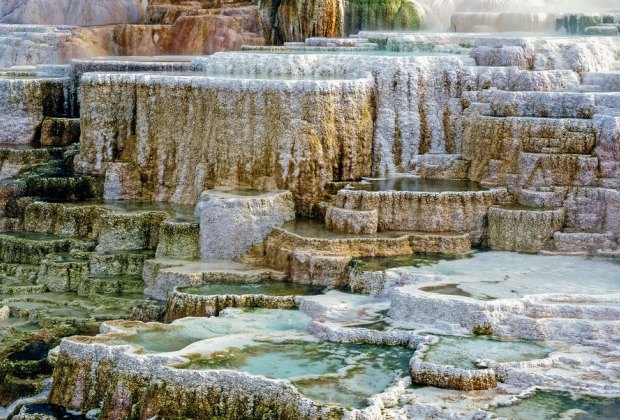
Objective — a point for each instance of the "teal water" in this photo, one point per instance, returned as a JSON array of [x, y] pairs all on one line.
[[497, 275], [343, 374], [385, 263], [163, 338]]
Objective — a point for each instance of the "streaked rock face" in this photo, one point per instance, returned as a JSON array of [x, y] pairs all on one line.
[[296, 20], [24, 102], [404, 15], [71, 12], [521, 229], [264, 134]]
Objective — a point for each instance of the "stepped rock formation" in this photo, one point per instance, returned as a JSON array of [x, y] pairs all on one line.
[[344, 218]]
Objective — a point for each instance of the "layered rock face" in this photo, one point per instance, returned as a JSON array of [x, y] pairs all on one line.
[[405, 15], [291, 132], [512, 143], [550, 149], [122, 27], [24, 103], [416, 97], [426, 212]]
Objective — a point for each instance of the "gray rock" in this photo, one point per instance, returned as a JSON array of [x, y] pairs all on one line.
[[230, 223]]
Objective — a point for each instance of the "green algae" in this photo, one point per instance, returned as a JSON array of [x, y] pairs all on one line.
[[270, 288], [382, 14]]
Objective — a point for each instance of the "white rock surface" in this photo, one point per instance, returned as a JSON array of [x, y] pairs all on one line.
[[231, 223]]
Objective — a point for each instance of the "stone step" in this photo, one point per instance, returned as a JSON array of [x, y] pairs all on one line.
[[478, 78], [16, 159], [130, 231], [553, 198], [30, 248], [536, 170], [521, 228], [579, 23], [611, 183], [538, 104], [63, 188], [111, 285], [118, 263], [608, 81], [179, 238], [440, 166], [351, 221], [588, 242], [164, 275], [62, 273], [572, 143], [307, 250]]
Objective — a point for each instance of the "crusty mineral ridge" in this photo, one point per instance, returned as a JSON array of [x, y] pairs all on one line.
[[231, 223], [188, 133], [91, 372]]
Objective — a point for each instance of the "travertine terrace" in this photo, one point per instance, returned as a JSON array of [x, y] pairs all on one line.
[[294, 209]]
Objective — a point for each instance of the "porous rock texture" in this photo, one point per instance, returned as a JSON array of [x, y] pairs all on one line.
[[181, 305], [351, 221], [230, 224], [417, 98], [522, 229], [568, 318]]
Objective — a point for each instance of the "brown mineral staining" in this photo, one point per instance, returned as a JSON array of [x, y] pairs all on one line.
[[484, 329]]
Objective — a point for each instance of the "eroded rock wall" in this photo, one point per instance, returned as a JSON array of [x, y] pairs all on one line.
[[188, 134], [418, 105]]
